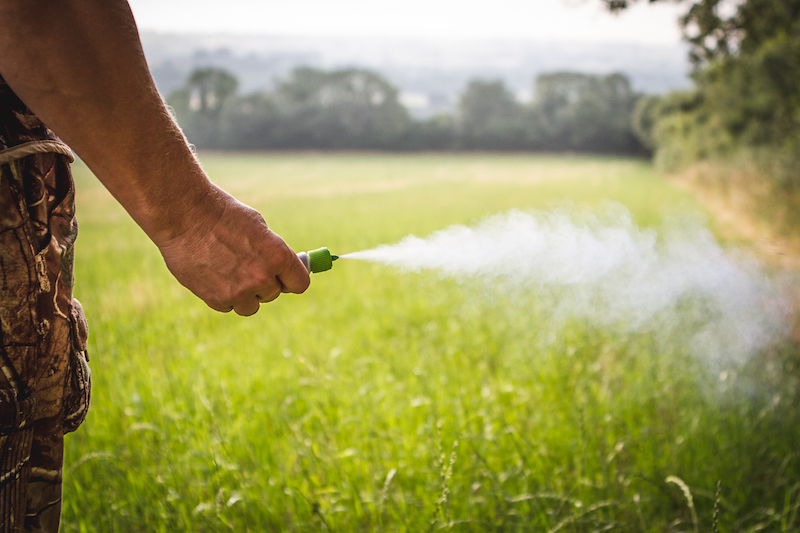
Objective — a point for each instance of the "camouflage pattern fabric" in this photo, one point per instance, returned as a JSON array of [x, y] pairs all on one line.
[[44, 376]]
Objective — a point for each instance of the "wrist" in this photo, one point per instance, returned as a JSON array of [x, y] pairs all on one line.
[[197, 212]]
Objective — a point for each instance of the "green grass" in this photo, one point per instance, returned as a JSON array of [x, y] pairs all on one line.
[[383, 401]]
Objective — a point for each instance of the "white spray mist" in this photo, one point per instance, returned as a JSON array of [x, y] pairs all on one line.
[[606, 269]]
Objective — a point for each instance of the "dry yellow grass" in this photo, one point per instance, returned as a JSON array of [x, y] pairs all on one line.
[[747, 210]]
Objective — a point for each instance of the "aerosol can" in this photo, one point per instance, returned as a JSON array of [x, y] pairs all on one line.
[[318, 260]]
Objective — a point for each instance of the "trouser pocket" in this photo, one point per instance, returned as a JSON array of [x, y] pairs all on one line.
[[78, 388]]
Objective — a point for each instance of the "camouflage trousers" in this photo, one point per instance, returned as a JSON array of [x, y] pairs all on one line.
[[44, 377]]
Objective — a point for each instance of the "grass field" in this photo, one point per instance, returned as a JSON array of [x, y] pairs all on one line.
[[384, 401]]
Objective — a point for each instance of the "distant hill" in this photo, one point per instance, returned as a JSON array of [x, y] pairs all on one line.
[[430, 74]]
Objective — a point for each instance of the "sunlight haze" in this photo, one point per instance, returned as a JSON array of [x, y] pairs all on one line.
[[562, 20]]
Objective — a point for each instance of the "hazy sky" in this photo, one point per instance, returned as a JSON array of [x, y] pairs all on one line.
[[566, 20]]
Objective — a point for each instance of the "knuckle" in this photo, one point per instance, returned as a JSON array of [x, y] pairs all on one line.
[[256, 217]]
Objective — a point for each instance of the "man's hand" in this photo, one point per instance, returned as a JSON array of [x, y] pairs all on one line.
[[230, 259]]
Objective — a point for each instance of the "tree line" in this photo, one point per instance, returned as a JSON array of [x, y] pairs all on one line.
[[358, 109], [745, 104]]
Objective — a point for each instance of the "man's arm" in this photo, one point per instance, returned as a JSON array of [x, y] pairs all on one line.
[[79, 65]]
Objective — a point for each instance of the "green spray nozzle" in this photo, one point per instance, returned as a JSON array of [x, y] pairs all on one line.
[[318, 260]]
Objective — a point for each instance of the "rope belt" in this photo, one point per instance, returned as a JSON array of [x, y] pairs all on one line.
[[35, 147]]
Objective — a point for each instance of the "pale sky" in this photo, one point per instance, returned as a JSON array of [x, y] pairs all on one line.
[[563, 20]]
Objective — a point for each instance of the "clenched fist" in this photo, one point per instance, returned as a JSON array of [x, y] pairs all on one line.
[[230, 259]]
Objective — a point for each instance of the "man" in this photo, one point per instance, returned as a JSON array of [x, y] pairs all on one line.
[[77, 67]]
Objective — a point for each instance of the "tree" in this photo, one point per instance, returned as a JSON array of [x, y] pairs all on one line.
[[718, 29], [490, 118], [199, 104], [209, 88], [584, 112], [252, 122], [747, 62], [350, 108]]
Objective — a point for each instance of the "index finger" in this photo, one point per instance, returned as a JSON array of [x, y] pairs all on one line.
[[295, 278]]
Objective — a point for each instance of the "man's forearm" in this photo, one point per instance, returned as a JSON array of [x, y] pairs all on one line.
[[78, 64]]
